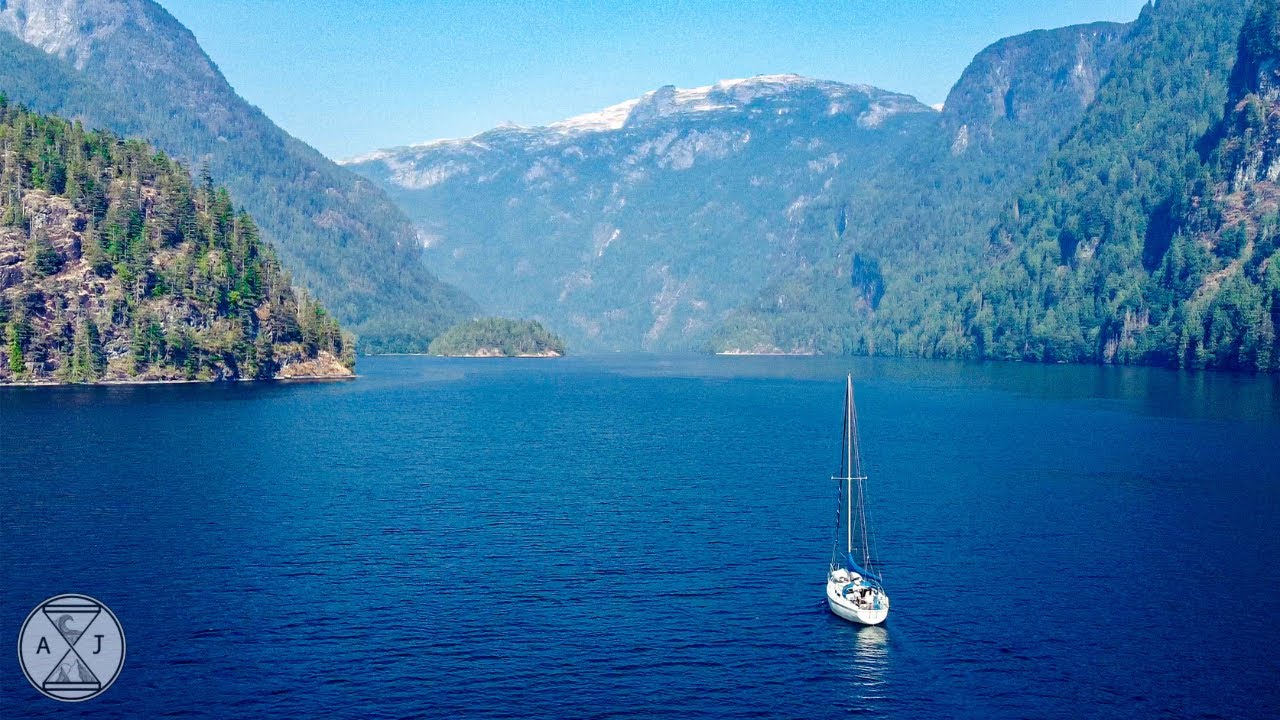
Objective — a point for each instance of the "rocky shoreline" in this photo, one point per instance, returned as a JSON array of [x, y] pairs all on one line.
[[492, 352], [767, 352], [110, 383], [324, 367]]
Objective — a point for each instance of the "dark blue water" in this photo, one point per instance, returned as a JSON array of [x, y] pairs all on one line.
[[648, 537]]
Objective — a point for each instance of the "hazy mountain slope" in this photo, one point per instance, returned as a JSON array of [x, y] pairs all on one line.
[[113, 267], [643, 225], [1026, 88], [130, 66], [886, 263], [1081, 266]]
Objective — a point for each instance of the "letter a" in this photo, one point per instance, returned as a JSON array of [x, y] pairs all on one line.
[[44, 645]]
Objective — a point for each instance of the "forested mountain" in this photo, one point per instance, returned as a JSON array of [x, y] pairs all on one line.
[[642, 225], [1148, 236], [884, 264], [114, 266], [1218, 283], [128, 66], [1144, 237]]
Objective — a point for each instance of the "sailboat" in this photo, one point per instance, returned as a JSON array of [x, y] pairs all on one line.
[[854, 589]]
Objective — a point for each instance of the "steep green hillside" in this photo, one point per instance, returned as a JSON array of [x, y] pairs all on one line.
[[113, 266], [1216, 291], [1146, 236], [129, 66], [1112, 254]]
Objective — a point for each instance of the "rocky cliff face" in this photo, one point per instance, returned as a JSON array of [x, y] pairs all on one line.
[[1222, 265], [1038, 81], [1234, 212], [129, 66], [1249, 135]]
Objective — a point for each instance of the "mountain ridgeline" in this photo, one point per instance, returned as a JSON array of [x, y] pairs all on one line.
[[770, 214], [1082, 196], [130, 67], [114, 266]]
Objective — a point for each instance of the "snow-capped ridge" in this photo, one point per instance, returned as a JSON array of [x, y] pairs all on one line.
[[872, 104], [729, 94]]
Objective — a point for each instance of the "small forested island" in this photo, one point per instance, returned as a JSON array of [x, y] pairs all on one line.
[[498, 337], [116, 267]]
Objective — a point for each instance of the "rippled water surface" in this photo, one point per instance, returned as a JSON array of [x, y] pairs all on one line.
[[648, 537]]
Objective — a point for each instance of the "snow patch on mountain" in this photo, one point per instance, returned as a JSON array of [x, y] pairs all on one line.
[[407, 174], [603, 237], [670, 100], [823, 164], [610, 118], [885, 107], [418, 149]]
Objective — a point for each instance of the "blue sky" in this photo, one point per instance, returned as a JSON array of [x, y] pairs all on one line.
[[349, 76]]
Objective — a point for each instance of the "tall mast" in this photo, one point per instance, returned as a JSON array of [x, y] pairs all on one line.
[[848, 462], [860, 478]]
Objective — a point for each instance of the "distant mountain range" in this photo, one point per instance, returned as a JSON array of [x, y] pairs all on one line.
[[641, 225], [758, 214], [130, 67]]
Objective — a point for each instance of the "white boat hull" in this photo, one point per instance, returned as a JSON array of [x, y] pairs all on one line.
[[851, 611]]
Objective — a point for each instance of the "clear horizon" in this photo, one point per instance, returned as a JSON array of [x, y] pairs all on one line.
[[384, 73]]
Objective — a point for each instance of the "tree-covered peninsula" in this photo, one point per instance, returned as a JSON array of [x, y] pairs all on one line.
[[116, 266], [498, 337]]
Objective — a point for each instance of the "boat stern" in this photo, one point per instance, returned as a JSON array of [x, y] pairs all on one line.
[[857, 601]]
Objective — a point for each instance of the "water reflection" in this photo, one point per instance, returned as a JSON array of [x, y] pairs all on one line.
[[867, 666], [1148, 390], [872, 654]]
